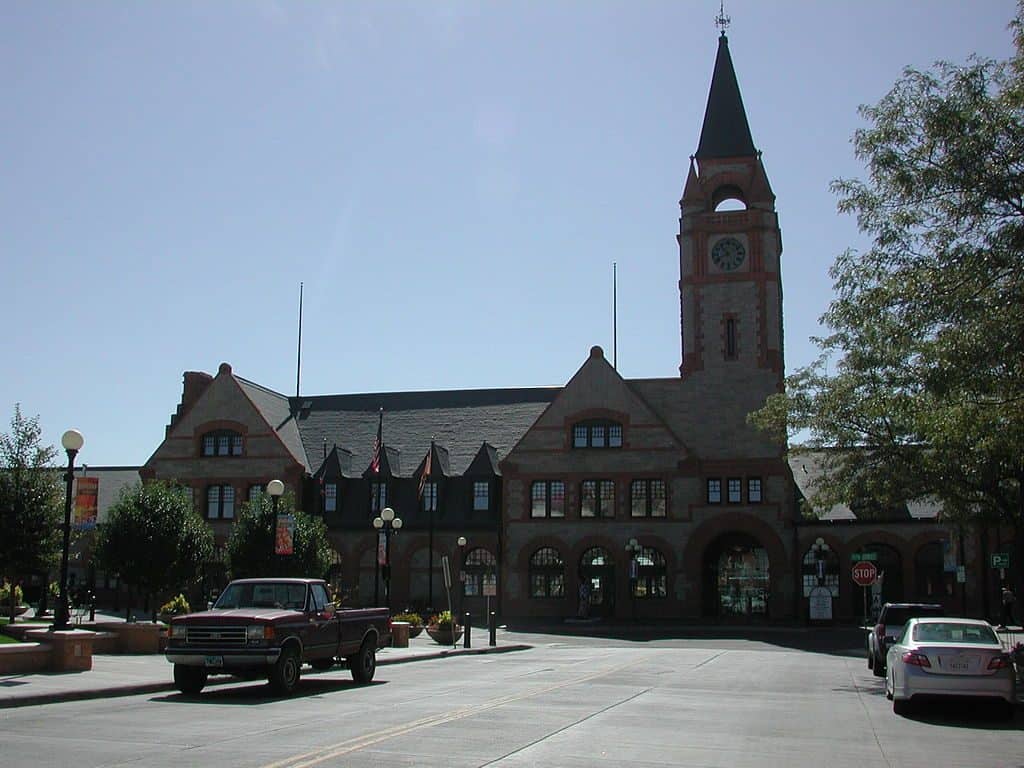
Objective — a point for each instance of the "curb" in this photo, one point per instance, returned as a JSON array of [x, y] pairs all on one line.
[[132, 689]]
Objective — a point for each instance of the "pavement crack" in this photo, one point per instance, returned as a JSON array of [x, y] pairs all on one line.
[[867, 715], [708, 661]]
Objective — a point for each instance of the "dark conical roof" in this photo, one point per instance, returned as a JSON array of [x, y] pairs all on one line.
[[725, 132]]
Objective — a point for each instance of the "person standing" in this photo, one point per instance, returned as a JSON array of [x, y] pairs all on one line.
[[1008, 599]]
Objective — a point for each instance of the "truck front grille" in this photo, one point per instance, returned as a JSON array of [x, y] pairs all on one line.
[[216, 636]]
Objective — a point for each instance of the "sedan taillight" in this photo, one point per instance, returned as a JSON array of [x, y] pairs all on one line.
[[915, 659], [1000, 662]]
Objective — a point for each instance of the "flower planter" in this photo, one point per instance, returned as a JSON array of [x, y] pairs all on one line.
[[445, 636], [415, 630]]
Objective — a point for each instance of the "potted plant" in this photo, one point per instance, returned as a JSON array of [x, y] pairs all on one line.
[[174, 607], [414, 620], [443, 629], [5, 599]]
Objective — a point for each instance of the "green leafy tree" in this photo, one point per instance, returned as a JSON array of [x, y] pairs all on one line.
[[153, 539], [920, 388], [31, 503], [251, 544]]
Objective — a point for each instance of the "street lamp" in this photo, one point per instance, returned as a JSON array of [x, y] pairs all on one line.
[[388, 523], [72, 441], [633, 548], [461, 541], [820, 550], [275, 488]]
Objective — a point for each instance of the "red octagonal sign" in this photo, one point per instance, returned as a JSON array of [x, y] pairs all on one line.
[[865, 573]]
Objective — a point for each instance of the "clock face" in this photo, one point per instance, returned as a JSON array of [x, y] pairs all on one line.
[[728, 253]]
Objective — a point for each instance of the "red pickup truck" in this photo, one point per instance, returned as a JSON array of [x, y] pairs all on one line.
[[269, 628]]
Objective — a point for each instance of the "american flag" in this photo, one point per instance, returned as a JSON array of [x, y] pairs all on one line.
[[377, 444], [426, 469]]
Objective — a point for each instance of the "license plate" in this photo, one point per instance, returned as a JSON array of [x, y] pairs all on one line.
[[214, 661]]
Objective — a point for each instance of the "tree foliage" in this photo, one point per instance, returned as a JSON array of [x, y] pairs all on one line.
[[920, 387], [251, 543], [31, 501], [153, 539]]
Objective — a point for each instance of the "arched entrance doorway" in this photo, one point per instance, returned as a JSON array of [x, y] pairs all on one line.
[[598, 572], [736, 578]]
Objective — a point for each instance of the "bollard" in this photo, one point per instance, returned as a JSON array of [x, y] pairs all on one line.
[[465, 638], [492, 625]]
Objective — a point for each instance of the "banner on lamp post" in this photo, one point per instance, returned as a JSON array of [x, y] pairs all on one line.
[[285, 535], [86, 496], [382, 548]]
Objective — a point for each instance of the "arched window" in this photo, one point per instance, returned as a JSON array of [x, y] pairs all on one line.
[[597, 433], [820, 568], [547, 573], [479, 568], [651, 575], [222, 442]]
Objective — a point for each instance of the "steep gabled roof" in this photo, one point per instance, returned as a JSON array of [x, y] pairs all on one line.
[[725, 132], [276, 409], [459, 421]]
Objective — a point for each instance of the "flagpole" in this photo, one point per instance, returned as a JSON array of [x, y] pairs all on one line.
[[430, 536], [298, 362]]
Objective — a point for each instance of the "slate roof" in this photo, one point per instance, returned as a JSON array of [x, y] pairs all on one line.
[[725, 132], [277, 410], [459, 422]]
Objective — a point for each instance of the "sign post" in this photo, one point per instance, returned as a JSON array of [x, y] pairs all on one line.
[[864, 574]]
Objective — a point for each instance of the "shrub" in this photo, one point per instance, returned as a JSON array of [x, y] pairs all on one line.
[[412, 617], [5, 594], [442, 620], [175, 606]]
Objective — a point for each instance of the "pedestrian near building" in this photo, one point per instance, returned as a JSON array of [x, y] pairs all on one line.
[[1008, 599]]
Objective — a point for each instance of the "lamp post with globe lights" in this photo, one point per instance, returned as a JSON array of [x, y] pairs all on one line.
[[274, 488], [72, 441], [633, 548], [389, 523]]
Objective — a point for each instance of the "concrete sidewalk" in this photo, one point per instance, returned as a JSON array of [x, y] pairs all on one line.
[[125, 674]]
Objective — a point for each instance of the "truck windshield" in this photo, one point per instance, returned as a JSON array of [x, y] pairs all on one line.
[[263, 595]]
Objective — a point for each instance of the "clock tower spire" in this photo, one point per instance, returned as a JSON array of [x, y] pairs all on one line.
[[730, 285]]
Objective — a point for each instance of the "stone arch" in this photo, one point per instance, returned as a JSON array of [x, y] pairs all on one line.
[[779, 567]]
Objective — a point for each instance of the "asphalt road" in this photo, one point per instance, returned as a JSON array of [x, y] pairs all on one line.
[[595, 701]]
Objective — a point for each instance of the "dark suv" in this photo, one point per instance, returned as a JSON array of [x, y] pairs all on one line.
[[890, 624]]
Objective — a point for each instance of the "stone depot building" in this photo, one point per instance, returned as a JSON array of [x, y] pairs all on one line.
[[645, 498]]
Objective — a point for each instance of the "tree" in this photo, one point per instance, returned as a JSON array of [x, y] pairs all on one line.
[[31, 502], [920, 388], [252, 542], [153, 539]]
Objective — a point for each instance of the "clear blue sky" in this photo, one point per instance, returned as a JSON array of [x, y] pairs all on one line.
[[451, 181]]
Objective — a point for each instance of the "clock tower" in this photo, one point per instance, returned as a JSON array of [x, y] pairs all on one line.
[[730, 286]]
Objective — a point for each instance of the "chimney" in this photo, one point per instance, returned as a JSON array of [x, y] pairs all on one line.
[[195, 383]]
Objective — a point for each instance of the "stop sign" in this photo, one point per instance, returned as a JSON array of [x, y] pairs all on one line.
[[865, 573]]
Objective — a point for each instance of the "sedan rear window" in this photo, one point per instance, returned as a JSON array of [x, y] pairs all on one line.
[[951, 632]]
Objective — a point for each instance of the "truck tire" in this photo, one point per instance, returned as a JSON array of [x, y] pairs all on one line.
[[364, 663], [189, 680], [879, 668], [284, 675]]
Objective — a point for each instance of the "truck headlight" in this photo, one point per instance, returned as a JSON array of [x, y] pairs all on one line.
[[179, 631], [258, 632]]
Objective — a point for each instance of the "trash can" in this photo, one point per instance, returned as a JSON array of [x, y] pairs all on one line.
[[399, 634]]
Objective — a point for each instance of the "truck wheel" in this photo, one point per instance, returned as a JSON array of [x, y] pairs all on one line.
[[364, 663], [189, 680], [878, 668], [284, 675]]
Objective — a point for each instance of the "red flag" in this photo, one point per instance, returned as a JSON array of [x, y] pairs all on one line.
[[378, 443], [426, 470]]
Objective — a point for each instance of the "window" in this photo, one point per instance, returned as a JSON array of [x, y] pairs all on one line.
[[378, 496], [714, 491], [222, 443], [730, 338], [735, 489], [754, 490], [547, 573], [597, 434], [255, 493], [650, 574], [547, 498], [597, 498], [331, 497], [478, 569], [647, 498], [481, 495], [429, 501], [220, 502], [820, 568]]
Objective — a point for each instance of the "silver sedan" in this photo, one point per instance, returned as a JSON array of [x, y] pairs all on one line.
[[948, 657]]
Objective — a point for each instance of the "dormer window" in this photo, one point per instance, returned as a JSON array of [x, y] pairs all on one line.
[[597, 434], [222, 443]]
